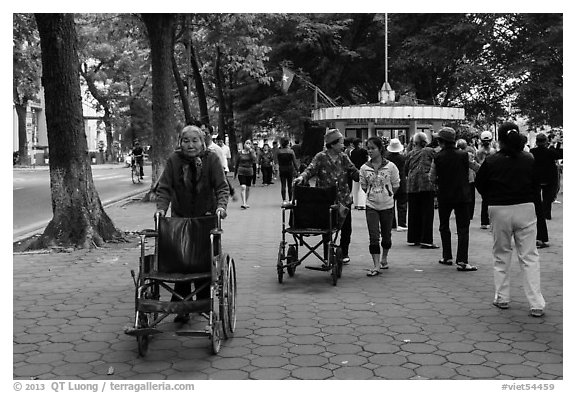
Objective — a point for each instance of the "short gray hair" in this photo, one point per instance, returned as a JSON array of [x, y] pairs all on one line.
[[421, 139]]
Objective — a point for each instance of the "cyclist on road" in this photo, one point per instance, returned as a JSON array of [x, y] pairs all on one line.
[[138, 157]]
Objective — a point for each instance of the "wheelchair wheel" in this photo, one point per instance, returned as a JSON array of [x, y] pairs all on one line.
[[216, 327], [279, 263], [333, 264], [339, 258], [232, 296], [291, 258], [143, 339]]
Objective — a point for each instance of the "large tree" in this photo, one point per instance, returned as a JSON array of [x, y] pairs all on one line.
[[78, 217], [160, 34], [26, 74]]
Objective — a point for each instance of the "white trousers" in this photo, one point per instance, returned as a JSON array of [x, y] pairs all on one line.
[[358, 195], [516, 222]]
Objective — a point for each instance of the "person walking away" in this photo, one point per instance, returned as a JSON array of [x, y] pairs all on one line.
[[358, 156], [333, 167], [507, 180], [486, 149], [287, 167], [450, 174], [266, 161], [547, 174], [227, 154], [192, 185], [473, 168], [297, 148], [379, 179], [275, 159], [420, 193], [255, 167], [138, 157], [394, 153], [244, 170], [216, 149]]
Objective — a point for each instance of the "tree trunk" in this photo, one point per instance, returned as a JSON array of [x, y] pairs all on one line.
[[164, 138], [223, 123], [199, 83], [182, 92], [78, 217], [109, 137], [24, 158]]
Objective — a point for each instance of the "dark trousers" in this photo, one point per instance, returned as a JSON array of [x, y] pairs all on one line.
[[254, 170], [473, 201], [541, 226], [266, 174], [286, 183], [420, 217], [400, 209], [185, 288], [548, 194], [462, 213], [484, 219], [379, 223], [345, 235]]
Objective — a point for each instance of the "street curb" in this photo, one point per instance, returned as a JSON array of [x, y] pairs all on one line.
[[39, 228]]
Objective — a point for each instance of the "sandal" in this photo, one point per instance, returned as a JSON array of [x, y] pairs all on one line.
[[464, 267], [446, 261], [373, 272]]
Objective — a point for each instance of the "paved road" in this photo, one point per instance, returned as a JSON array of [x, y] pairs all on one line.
[[32, 206], [419, 320]]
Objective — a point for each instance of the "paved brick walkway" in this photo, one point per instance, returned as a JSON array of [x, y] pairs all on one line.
[[418, 320]]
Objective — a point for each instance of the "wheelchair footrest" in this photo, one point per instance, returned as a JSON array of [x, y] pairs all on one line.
[[141, 331], [192, 333], [323, 268], [155, 306]]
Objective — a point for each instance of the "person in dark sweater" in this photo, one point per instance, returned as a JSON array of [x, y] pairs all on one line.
[[192, 184], [358, 156], [547, 174], [450, 174], [394, 153], [507, 181]]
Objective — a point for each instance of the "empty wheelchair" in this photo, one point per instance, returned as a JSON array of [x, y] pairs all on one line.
[[313, 212], [185, 250]]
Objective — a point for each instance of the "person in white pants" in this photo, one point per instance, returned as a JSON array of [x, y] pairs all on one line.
[[507, 181]]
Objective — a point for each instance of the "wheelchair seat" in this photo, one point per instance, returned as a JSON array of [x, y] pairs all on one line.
[[311, 213]]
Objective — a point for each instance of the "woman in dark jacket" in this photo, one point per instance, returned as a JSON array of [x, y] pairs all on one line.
[[193, 184], [508, 183]]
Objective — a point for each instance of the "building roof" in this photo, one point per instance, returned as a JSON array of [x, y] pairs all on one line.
[[375, 112]]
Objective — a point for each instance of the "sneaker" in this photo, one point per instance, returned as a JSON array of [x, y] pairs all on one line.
[[401, 229], [557, 201], [383, 265], [537, 312], [345, 260], [541, 244], [502, 305], [484, 226]]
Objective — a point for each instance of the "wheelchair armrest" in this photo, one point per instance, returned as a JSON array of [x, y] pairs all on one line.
[[148, 233]]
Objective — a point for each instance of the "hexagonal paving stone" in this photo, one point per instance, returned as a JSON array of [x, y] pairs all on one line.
[[357, 373], [228, 375], [426, 359], [504, 358], [465, 358], [381, 348], [477, 371], [230, 363], [435, 372], [418, 348], [270, 374], [349, 360], [388, 359], [308, 373], [269, 361], [393, 372], [519, 371], [308, 360], [307, 349]]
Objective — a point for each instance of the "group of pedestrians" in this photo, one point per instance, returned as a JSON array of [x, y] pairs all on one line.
[[508, 180]]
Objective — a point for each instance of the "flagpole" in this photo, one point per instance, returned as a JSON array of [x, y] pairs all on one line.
[[317, 91]]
